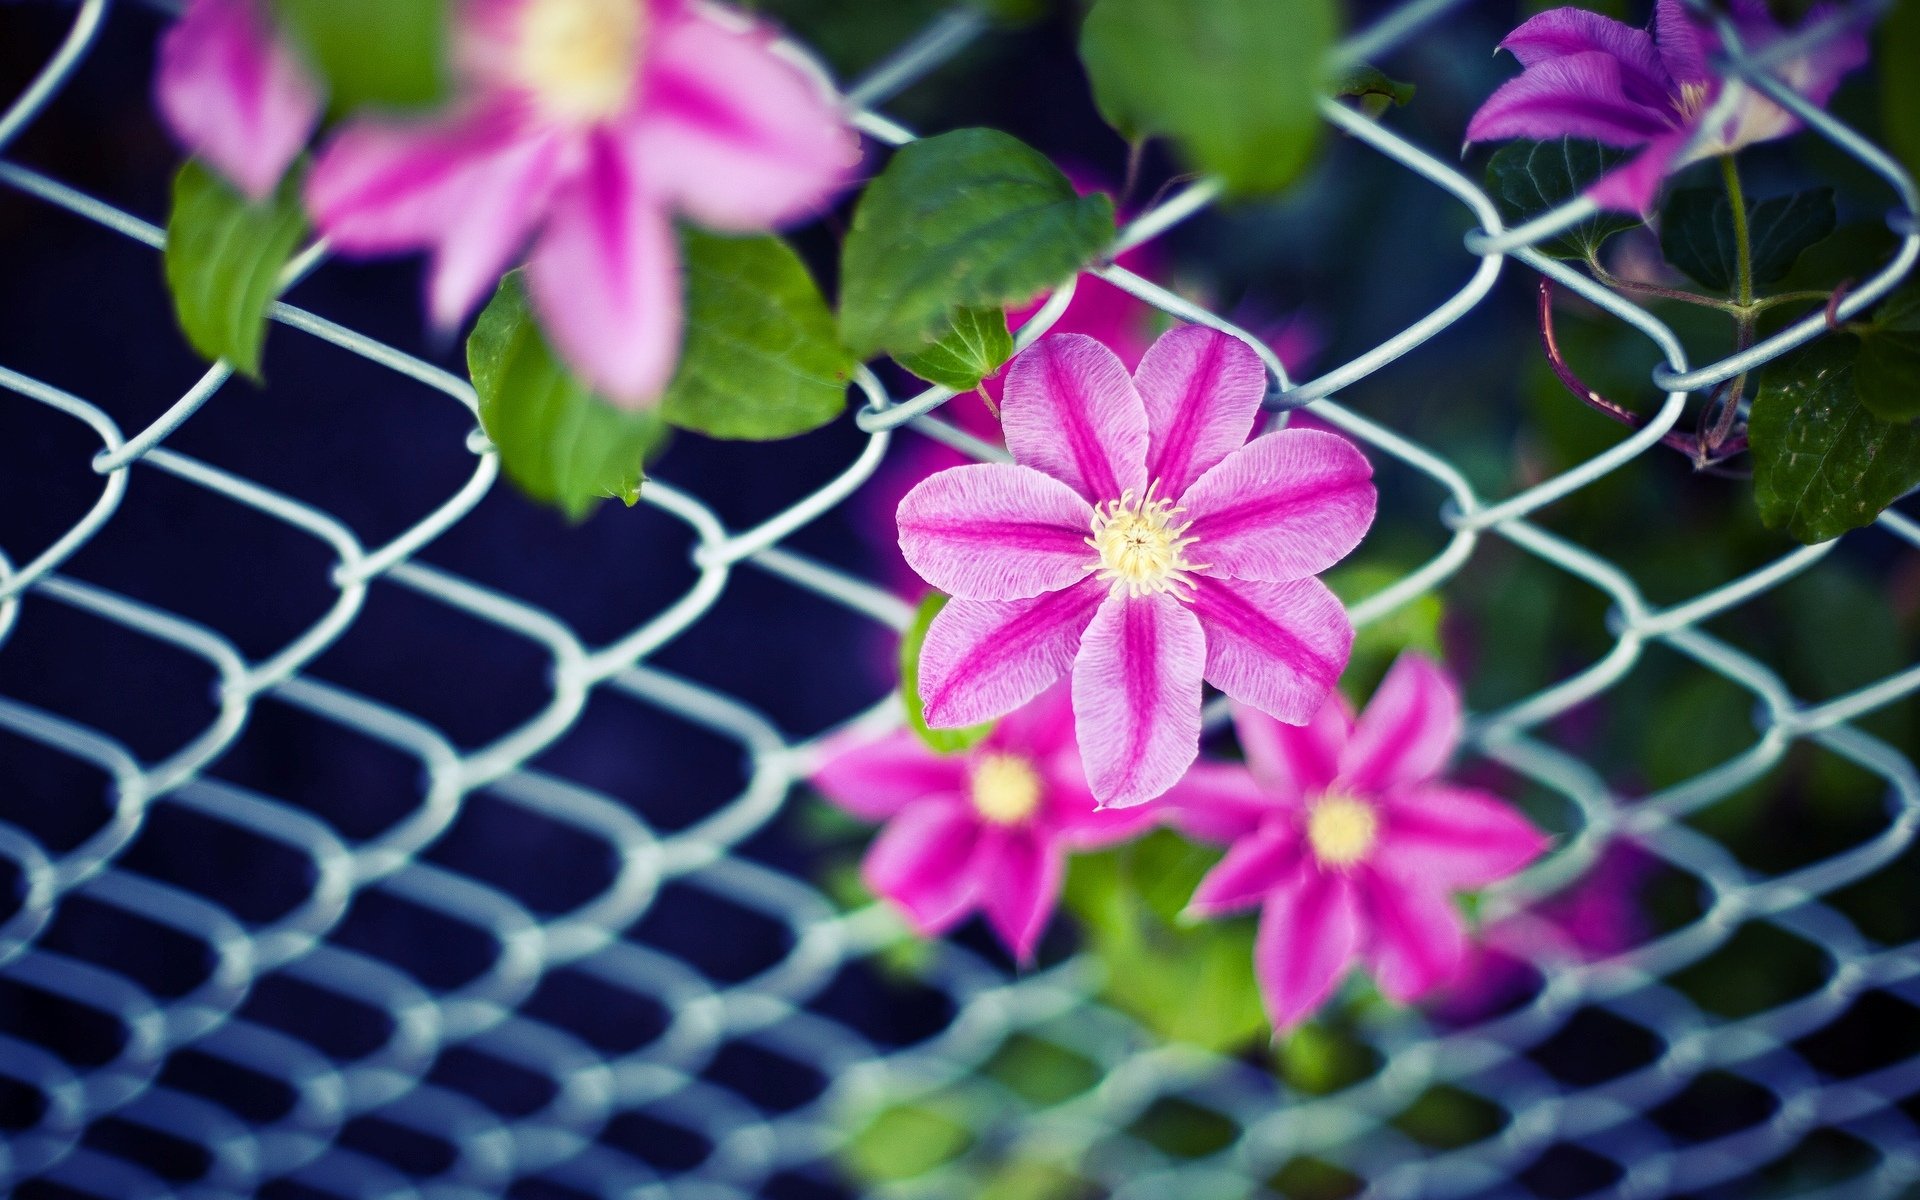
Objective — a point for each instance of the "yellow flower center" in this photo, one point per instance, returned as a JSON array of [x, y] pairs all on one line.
[[1341, 829], [579, 57], [1140, 543], [1005, 788]]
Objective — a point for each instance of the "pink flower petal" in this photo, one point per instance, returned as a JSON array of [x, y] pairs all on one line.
[[1415, 940], [1202, 389], [1039, 729], [1683, 44], [1071, 411], [1633, 186], [471, 189], [605, 279], [232, 92], [1136, 696], [1279, 647], [1580, 95], [1295, 761], [1455, 837], [923, 862], [1308, 936], [1218, 802], [1255, 867], [1408, 730], [1020, 885], [985, 658], [1559, 32], [874, 778], [995, 531], [738, 129], [1284, 506]]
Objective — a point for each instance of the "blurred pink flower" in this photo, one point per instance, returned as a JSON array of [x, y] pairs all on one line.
[[234, 93], [584, 127], [1140, 541], [989, 830], [1345, 836], [1587, 76]]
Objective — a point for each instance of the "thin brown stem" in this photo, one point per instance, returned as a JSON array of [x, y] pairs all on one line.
[[1587, 395]]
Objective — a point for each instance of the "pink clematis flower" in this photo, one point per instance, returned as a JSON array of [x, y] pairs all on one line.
[[583, 128], [235, 94], [1587, 76], [1140, 542], [1345, 836], [989, 830]]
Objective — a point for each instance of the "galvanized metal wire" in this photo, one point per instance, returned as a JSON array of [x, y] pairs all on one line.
[[748, 1146]]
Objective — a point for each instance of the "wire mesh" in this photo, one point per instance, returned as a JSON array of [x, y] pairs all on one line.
[[747, 1145]]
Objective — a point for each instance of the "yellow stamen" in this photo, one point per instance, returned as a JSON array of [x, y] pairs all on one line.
[[1141, 546], [1005, 789], [1341, 829], [579, 57]]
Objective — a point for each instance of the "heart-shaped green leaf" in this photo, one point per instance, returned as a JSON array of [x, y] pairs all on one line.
[[557, 440], [385, 53], [1526, 179], [1235, 83], [1888, 374], [1824, 464], [761, 359], [973, 347], [223, 260], [1697, 235], [942, 741], [969, 219]]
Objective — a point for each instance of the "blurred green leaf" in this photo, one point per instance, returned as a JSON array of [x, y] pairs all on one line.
[[1235, 83], [1414, 625], [1888, 373], [1898, 48], [1823, 464], [969, 219], [383, 53], [562, 444], [761, 358], [1526, 179], [223, 261], [1697, 234], [972, 347], [942, 741], [1376, 91], [907, 1140], [1040, 1072]]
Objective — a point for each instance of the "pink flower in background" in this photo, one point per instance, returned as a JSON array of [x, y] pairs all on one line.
[[236, 95], [1141, 542], [989, 830], [1344, 835], [1587, 76], [584, 128]]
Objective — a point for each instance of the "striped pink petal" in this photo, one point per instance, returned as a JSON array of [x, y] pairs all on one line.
[[1136, 696], [1219, 802], [1284, 506], [1559, 32], [234, 93], [874, 778], [995, 531], [1020, 883], [1455, 837], [1415, 940], [1279, 647], [923, 862], [1071, 410], [1295, 761], [1581, 95], [1408, 730], [1255, 867], [1308, 936], [1202, 389], [985, 658]]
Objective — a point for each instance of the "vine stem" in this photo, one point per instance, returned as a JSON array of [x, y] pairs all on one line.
[[1742, 237]]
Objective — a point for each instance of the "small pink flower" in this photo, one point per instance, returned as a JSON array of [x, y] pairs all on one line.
[[1344, 835], [1139, 541], [235, 94], [987, 831], [584, 127], [1588, 76]]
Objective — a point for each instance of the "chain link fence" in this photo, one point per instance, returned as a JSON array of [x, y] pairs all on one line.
[[92, 1080]]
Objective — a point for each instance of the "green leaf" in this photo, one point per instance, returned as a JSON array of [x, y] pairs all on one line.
[[1888, 373], [223, 260], [941, 741], [1899, 43], [1526, 179], [1235, 83], [558, 441], [973, 347], [1376, 91], [1696, 234], [761, 359], [969, 219], [907, 1140], [386, 53], [1823, 464]]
